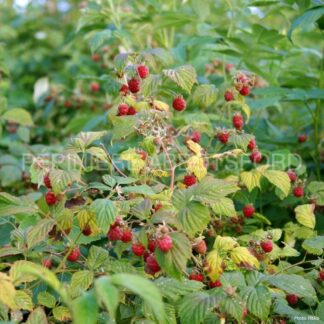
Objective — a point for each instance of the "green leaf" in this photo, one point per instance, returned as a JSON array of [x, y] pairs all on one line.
[[46, 299], [106, 213], [224, 207], [61, 314], [240, 140], [142, 190], [7, 291], [107, 294], [293, 284], [252, 179], [39, 232], [80, 282], [174, 262], [305, 215], [99, 39], [184, 76], [84, 139], [316, 191], [204, 95], [307, 19], [233, 307], [37, 316], [97, 257], [61, 179], [85, 309], [143, 288], [314, 245], [19, 116], [258, 301], [279, 179], [120, 61]]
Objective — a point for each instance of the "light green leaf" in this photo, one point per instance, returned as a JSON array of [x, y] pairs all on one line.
[[23, 300], [39, 232], [205, 95], [314, 245], [37, 316], [85, 309], [97, 257], [61, 313], [184, 76], [224, 207], [305, 215], [46, 299], [106, 213], [80, 282], [279, 179], [19, 116]]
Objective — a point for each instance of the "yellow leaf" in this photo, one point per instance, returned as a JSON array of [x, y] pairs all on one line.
[[194, 147], [196, 166], [214, 265], [160, 105], [88, 218], [160, 173], [224, 243], [242, 256], [305, 215], [7, 291], [136, 162], [251, 179], [279, 179]]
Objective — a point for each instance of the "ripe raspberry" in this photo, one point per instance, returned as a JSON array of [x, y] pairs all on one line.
[[245, 312], [117, 222], [223, 137], [67, 104], [115, 233], [143, 71], [143, 154], [138, 249], [321, 275], [124, 90], [134, 85], [87, 231], [165, 243], [95, 57], [292, 175], [152, 245], [196, 277], [74, 255], [146, 255], [302, 138], [131, 111], [292, 299], [47, 181], [158, 206], [195, 137], [47, 263], [228, 95], [256, 156], [298, 192], [252, 144], [50, 198], [189, 180], [122, 109], [248, 210], [245, 91], [238, 121], [95, 86], [201, 247], [266, 246], [179, 104], [152, 264], [127, 236], [215, 284]]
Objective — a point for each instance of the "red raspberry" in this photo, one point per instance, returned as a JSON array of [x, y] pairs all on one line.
[[117, 222], [229, 67], [127, 236], [95, 57], [223, 137], [67, 104], [165, 243], [292, 175], [189, 180], [143, 155], [152, 264], [131, 111], [158, 206], [115, 233], [124, 90], [47, 263], [245, 312], [238, 121], [179, 104], [298, 192], [228, 95], [138, 249], [87, 231], [143, 71], [302, 138], [252, 144], [74, 255], [50, 198], [292, 299], [134, 85], [122, 109], [245, 91], [215, 284], [256, 156], [321, 275], [47, 181], [248, 210], [95, 86], [266, 246], [195, 137], [196, 277], [201, 247], [152, 245]]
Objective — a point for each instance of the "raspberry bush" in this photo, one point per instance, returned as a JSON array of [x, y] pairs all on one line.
[[173, 206]]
